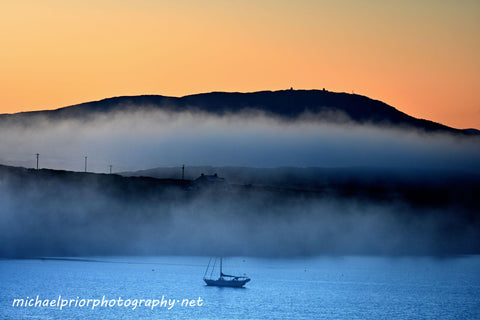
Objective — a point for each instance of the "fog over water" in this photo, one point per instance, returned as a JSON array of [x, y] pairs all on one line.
[[55, 217], [58, 220]]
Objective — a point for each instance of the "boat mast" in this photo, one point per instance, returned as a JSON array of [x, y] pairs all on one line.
[[221, 270]]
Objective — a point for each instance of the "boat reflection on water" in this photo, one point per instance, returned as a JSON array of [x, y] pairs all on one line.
[[224, 280]]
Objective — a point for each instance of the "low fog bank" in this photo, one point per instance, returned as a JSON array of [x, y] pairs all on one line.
[[44, 213], [142, 139]]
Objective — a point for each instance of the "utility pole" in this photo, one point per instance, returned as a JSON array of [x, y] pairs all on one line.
[[37, 154], [183, 172], [85, 164], [110, 169]]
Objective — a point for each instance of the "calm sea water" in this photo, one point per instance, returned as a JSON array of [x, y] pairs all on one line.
[[313, 288]]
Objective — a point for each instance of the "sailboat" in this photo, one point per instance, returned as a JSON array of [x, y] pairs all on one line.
[[225, 280]]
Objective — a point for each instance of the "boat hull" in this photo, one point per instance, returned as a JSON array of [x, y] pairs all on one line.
[[226, 283]]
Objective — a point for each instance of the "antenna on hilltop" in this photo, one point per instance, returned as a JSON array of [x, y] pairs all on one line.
[[37, 154], [183, 172], [85, 164], [110, 169]]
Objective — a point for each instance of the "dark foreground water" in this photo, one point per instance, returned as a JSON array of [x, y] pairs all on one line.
[[172, 288]]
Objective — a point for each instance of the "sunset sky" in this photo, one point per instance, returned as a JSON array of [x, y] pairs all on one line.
[[422, 57]]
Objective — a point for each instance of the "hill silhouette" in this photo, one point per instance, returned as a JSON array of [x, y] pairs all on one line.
[[284, 104]]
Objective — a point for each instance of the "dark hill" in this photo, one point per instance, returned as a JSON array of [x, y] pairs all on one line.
[[285, 104], [419, 187], [59, 213]]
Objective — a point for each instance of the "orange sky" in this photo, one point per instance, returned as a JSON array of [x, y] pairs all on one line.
[[422, 57]]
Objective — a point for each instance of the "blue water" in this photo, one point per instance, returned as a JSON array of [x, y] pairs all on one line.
[[308, 288]]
